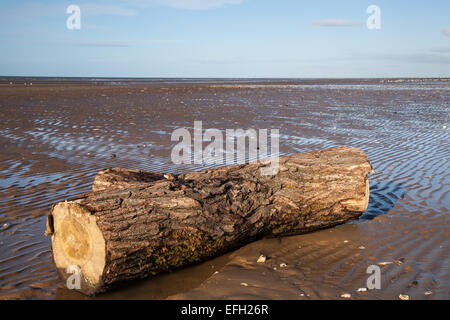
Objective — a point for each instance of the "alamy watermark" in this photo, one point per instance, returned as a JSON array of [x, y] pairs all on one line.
[[374, 20], [219, 153], [74, 280], [374, 280], [73, 22]]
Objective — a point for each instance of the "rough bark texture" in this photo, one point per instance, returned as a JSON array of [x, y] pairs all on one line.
[[123, 178], [137, 224]]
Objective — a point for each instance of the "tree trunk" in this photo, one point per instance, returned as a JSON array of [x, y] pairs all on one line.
[[136, 224]]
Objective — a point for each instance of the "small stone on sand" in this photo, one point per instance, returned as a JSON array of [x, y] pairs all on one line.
[[403, 297], [346, 295], [261, 259], [362, 289], [244, 284], [283, 265], [428, 293]]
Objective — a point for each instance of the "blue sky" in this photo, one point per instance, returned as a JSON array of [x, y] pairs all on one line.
[[225, 38]]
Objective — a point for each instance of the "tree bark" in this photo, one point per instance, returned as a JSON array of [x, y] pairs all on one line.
[[136, 224]]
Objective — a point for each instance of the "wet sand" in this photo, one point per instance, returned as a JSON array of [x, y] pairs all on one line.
[[55, 136]]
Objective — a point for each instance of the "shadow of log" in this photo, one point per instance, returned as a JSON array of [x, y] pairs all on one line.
[[383, 197]]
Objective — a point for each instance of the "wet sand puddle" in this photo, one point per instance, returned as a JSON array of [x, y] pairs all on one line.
[[55, 138]]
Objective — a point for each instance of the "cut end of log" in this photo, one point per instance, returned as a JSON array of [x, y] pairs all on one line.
[[77, 241]]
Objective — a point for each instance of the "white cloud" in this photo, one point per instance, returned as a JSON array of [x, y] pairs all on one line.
[[446, 31], [115, 44], [195, 4], [336, 23], [31, 10], [441, 50], [424, 57], [92, 9]]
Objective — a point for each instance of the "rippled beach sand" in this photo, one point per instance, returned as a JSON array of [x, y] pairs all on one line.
[[55, 135]]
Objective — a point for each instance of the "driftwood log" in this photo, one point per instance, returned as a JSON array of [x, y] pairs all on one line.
[[135, 224]]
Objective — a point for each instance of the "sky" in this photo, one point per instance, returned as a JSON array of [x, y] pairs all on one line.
[[225, 39]]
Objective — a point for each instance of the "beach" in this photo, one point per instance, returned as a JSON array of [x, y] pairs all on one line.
[[56, 134]]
